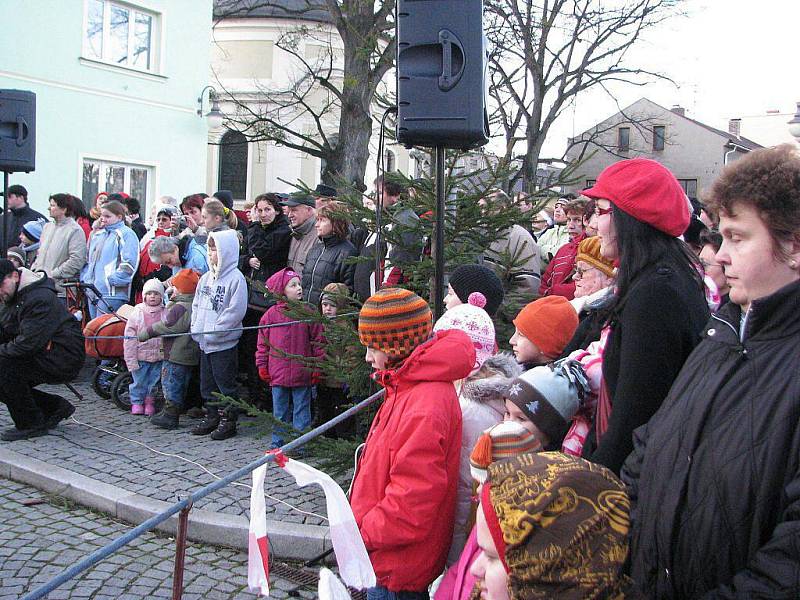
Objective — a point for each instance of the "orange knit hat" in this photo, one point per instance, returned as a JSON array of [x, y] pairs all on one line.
[[185, 281], [548, 322]]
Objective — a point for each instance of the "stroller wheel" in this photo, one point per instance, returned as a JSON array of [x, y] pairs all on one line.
[[119, 390], [101, 383]]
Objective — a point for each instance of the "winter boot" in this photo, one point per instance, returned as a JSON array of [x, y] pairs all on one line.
[[137, 409], [209, 424], [13, 434], [226, 428], [149, 406], [167, 418]]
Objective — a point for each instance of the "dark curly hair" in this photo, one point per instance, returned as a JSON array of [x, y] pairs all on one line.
[[769, 181], [273, 199]]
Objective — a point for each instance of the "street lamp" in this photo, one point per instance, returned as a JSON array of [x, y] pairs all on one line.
[[213, 116], [794, 124]]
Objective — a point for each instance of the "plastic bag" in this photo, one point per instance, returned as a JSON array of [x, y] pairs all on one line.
[[330, 588], [355, 567], [257, 543]]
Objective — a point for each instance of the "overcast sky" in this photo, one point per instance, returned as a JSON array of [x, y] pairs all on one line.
[[730, 58]]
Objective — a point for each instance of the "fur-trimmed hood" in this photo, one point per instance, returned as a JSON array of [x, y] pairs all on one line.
[[493, 388]]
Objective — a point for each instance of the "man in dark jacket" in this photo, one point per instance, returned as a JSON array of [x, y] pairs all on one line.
[[40, 342], [402, 248], [18, 214], [714, 478]]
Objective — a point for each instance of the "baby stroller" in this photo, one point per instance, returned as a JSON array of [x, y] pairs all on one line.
[[111, 377]]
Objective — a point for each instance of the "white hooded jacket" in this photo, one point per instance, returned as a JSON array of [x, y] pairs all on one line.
[[221, 298]]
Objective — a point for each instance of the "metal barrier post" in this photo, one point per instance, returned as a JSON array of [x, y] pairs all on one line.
[[180, 551]]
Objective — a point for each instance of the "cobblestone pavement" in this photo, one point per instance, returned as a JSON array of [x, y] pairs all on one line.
[[125, 464], [39, 541]]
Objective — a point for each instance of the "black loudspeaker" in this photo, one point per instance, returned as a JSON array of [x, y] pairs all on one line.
[[441, 74], [17, 131]]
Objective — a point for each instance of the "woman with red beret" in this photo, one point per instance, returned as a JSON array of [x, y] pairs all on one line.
[[659, 308]]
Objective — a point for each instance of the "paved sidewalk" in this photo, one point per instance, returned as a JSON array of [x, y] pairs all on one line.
[[107, 459], [153, 472], [39, 541]]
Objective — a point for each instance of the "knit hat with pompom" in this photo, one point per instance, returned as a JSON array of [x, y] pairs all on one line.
[[504, 440], [472, 319]]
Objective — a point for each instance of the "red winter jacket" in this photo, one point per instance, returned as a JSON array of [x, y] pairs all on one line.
[[303, 339], [404, 493], [554, 280]]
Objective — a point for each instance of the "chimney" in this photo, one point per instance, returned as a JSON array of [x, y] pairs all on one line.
[[735, 127], [678, 110]]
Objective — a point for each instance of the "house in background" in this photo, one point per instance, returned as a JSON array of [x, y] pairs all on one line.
[[693, 151], [247, 63], [770, 128], [116, 88]]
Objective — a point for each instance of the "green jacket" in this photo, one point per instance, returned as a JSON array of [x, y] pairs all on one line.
[[177, 318]]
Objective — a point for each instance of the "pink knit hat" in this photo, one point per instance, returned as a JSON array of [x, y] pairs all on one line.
[[277, 282], [473, 320]]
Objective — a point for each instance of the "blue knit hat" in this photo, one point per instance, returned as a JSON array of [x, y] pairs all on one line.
[[33, 229]]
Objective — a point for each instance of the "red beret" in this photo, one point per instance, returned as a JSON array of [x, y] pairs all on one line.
[[647, 191]]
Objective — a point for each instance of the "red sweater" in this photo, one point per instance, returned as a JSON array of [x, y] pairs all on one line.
[[556, 279]]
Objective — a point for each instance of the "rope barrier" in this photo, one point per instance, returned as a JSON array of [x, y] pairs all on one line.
[[244, 328], [107, 550]]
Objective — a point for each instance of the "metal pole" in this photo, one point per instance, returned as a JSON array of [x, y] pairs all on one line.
[[151, 523], [180, 552], [438, 246], [3, 240]]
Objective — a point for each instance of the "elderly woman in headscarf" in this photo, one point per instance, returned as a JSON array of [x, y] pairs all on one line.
[[551, 526]]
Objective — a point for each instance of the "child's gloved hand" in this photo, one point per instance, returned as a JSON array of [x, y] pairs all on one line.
[[263, 374], [316, 378], [143, 335]]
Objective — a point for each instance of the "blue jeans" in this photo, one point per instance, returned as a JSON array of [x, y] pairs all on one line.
[[300, 418], [381, 593], [218, 374], [145, 378], [175, 381]]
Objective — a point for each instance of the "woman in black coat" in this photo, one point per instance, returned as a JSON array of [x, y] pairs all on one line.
[[659, 307], [327, 260], [267, 252], [267, 239]]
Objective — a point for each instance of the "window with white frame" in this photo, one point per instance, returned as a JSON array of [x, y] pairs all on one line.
[[121, 34], [106, 176]]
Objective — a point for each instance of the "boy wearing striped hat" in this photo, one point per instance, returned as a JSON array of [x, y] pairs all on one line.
[[404, 491]]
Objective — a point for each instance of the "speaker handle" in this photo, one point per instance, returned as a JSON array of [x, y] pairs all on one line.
[[22, 127], [448, 80]]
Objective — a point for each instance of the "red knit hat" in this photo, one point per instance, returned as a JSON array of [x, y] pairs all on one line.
[[548, 322], [647, 191]]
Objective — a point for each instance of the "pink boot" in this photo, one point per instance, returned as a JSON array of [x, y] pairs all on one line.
[[137, 409], [149, 406]]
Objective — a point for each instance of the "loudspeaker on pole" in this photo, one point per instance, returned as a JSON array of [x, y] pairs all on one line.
[[17, 131], [441, 74]]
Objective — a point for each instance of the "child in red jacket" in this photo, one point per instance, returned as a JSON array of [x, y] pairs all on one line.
[[404, 492], [290, 379]]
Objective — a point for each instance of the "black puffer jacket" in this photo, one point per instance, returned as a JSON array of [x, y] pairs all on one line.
[[270, 245], [326, 264], [715, 476], [35, 322]]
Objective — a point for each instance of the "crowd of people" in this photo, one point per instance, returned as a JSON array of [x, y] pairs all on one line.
[[640, 440]]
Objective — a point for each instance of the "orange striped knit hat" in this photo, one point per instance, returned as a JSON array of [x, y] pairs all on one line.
[[395, 321]]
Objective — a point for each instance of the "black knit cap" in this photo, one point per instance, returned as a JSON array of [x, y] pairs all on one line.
[[478, 278], [6, 267]]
